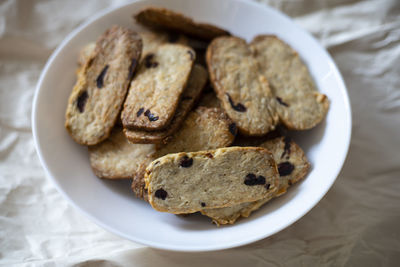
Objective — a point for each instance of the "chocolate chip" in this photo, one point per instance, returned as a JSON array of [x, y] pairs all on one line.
[[252, 179], [150, 116], [81, 101], [260, 179], [186, 162], [100, 78], [238, 107], [233, 128], [132, 68], [149, 57], [285, 168], [161, 193], [139, 112], [286, 149], [191, 54], [209, 155], [148, 61], [267, 186], [203, 204], [281, 102]]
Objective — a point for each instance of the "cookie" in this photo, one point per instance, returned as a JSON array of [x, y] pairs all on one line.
[[191, 182], [203, 129], [299, 105], [102, 83], [161, 18], [116, 158], [243, 92], [155, 91], [153, 39], [229, 215], [292, 167], [197, 80]]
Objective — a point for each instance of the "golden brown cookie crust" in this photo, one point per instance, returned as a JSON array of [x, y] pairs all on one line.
[[162, 18], [197, 80], [243, 92], [155, 91], [299, 104], [102, 84], [190, 182]]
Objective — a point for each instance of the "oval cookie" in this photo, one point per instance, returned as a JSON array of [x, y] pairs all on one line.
[[102, 84]]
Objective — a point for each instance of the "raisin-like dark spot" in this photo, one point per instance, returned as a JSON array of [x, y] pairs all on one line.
[[173, 37], [186, 98], [209, 155], [285, 168], [238, 107], [286, 149], [281, 102], [267, 186], [233, 128], [157, 162], [186, 162], [81, 101], [150, 116], [251, 176], [203, 204], [132, 68], [149, 58], [139, 112], [260, 179], [252, 179], [161, 193], [191, 54], [289, 182], [148, 61], [100, 78]]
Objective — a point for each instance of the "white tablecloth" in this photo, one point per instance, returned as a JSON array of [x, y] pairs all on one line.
[[356, 224]]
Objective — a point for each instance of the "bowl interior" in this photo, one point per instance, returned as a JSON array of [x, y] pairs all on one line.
[[111, 203]]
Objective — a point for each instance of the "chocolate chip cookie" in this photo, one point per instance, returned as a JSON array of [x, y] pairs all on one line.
[[190, 182], [162, 18], [298, 103], [242, 90], [155, 91], [102, 83], [197, 80]]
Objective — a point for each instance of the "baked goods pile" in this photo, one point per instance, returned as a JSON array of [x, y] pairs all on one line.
[[187, 111]]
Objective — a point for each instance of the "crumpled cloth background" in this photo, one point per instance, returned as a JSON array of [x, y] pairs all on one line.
[[356, 224]]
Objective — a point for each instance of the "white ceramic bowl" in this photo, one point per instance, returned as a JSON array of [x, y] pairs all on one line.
[[112, 205]]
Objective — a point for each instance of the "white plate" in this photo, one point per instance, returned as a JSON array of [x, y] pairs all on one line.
[[112, 205]]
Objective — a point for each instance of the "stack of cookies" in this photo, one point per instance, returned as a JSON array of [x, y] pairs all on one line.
[[188, 111]]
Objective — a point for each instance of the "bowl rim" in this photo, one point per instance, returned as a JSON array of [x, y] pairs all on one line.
[[213, 247]]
